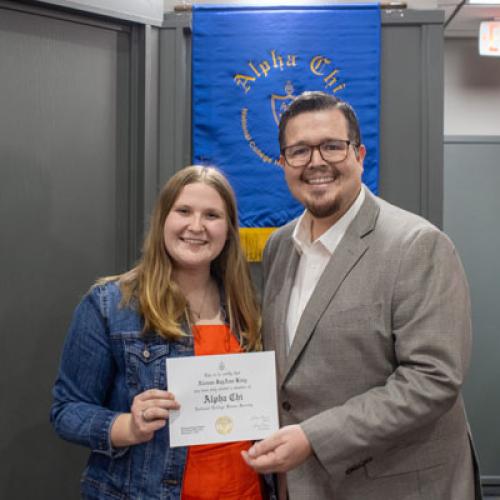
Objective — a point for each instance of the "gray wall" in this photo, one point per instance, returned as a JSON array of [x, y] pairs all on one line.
[[411, 123], [471, 211], [472, 90], [74, 130]]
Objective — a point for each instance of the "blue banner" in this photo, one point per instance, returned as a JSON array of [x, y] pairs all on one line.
[[247, 65]]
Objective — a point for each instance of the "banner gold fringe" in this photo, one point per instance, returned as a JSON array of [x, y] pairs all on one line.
[[253, 240]]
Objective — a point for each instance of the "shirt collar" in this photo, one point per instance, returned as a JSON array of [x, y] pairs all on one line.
[[302, 233]]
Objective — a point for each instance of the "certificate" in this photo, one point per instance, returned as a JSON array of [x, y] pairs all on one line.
[[223, 398]]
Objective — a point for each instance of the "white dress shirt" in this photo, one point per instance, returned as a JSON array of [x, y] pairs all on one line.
[[314, 256]]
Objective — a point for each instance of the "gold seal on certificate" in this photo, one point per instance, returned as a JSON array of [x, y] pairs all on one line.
[[223, 398], [224, 425]]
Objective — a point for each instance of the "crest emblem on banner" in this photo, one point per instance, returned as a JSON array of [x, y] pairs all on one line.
[[280, 103]]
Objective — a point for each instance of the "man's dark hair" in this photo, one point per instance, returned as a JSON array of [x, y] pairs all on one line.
[[319, 101]]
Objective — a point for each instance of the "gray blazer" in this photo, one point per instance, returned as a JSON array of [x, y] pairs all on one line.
[[374, 373]]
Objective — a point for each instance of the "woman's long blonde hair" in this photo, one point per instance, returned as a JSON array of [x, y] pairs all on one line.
[[150, 283]]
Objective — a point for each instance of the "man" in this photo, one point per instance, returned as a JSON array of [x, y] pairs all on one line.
[[367, 308]]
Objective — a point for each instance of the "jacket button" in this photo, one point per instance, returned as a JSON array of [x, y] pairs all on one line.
[[146, 353], [286, 406]]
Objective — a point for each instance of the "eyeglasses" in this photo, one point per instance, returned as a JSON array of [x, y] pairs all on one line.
[[333, 151]]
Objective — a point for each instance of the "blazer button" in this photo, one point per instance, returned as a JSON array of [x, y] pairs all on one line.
[[286, 406]]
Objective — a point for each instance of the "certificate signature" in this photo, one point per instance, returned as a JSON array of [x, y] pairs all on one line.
[[223, 398]]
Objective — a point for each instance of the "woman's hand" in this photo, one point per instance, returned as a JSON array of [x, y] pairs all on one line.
[[149, 412]]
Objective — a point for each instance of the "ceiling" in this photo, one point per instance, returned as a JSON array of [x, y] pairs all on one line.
[[462, 19]]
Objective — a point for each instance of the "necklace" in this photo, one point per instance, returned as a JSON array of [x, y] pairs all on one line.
[[202, 304]]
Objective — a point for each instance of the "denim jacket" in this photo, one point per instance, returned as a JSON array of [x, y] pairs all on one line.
[[107, 361]]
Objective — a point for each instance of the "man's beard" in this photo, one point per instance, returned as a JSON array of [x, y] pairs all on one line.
[[322, 210]]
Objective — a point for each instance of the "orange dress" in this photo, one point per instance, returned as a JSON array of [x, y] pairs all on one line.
[[217, 471]]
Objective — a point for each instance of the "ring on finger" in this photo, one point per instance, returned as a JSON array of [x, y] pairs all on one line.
[[143, 415]]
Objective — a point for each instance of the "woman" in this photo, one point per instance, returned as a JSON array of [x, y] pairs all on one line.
[[189, 294]]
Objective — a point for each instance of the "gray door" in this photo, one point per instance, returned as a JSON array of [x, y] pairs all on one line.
[[64, 169]]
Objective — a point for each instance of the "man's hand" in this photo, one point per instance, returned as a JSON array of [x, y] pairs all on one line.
[[282, 451]]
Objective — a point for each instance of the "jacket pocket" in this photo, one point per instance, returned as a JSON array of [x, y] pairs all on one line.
[[145, 364], [411, 458], [91, 489]]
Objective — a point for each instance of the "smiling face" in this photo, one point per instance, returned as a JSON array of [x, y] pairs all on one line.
[[196, 228], [327, 190]]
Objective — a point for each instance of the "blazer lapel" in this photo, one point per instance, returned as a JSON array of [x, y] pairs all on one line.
[[350, 250], [281, 305]]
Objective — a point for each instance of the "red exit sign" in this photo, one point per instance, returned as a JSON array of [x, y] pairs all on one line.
[[489, 38]]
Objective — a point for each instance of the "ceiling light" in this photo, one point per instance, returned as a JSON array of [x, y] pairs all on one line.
[[483, 2]]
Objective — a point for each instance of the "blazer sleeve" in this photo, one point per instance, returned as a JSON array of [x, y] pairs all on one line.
[[431, 330]]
